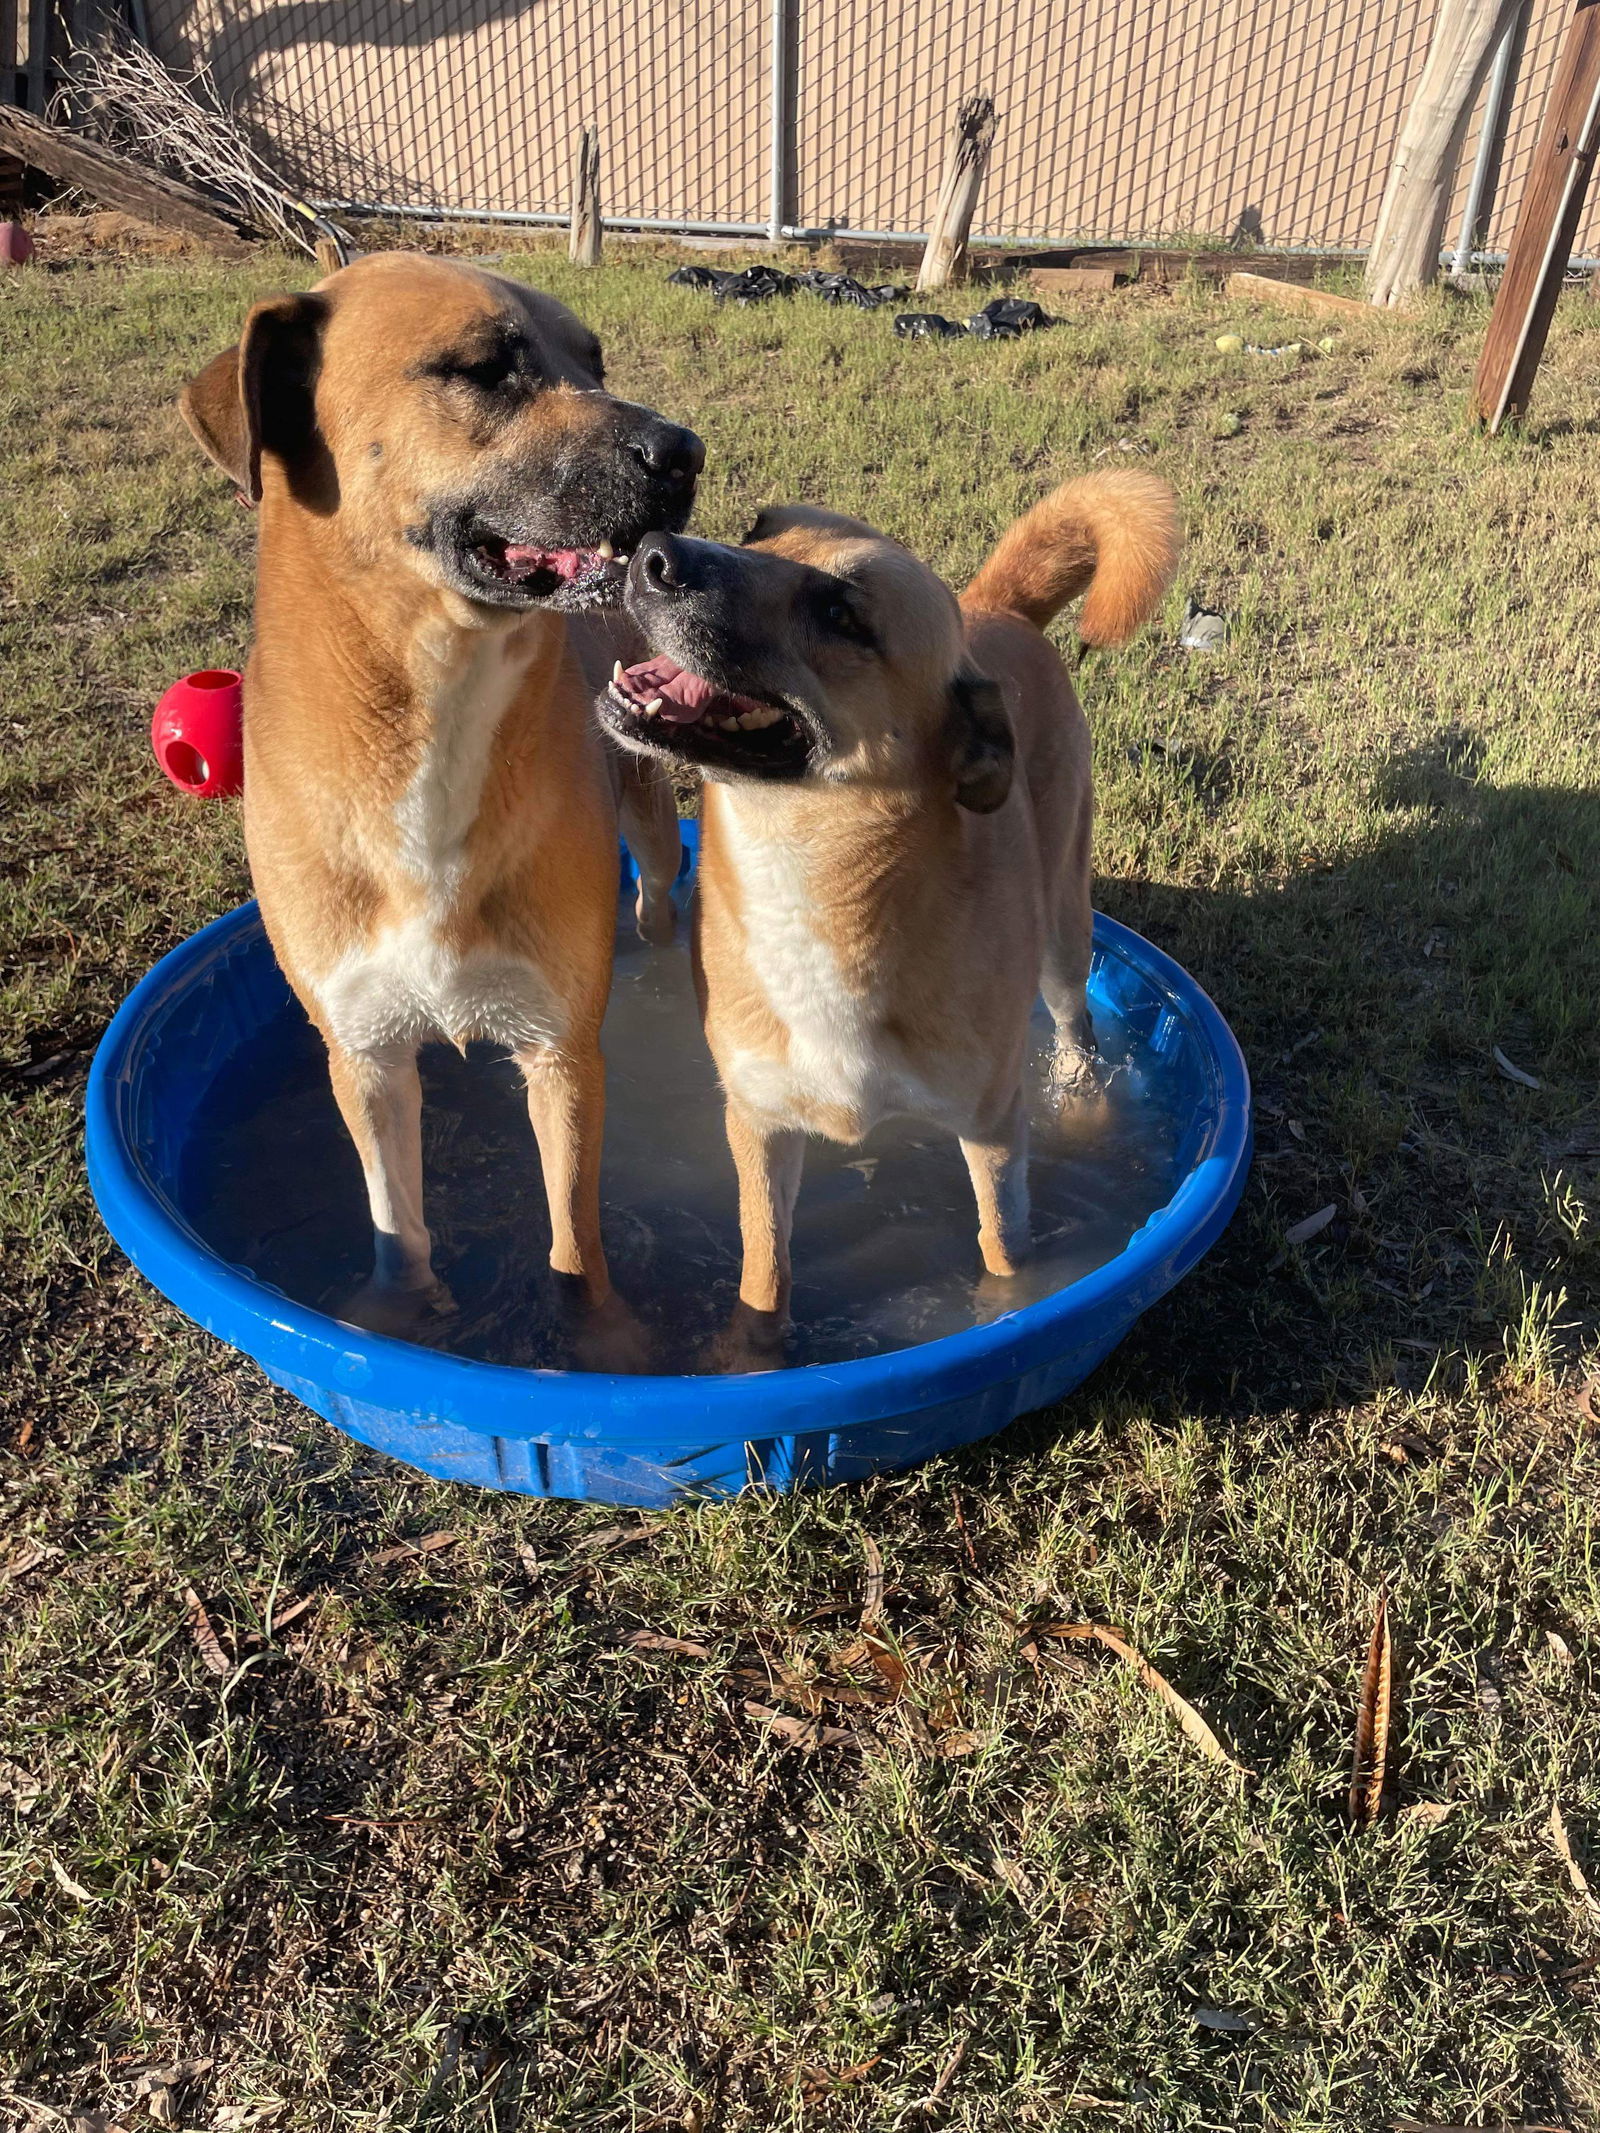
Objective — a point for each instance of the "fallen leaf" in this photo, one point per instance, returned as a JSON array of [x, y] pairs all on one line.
[[957, 1743], [1369, 1760], [30, 1559], [1312, 1226], [609, 1537], [1430, 1813], [652, 1640], [1222, 2018], [819, 2082], [888, 1664], [1515, 1073], [1193, 1725], [872, 1595], [429, 1544], [1586, 1406], [802, 1732], [283, 1616], [205, 1637], [1560, 1646], [1575, 1873], [21, 1785], [1294, 1126], [65, 1880], [943, 2079]]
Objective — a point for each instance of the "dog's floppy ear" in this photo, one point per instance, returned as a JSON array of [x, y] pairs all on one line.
[[258, 397], [982, 745]]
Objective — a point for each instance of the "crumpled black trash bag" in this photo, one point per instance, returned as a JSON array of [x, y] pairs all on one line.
[[747, 285], [926, 326], [1016, 312], [985, 328], [845, 289]]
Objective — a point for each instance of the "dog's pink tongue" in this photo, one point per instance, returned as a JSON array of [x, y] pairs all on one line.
[[566, 563], [684, 696]]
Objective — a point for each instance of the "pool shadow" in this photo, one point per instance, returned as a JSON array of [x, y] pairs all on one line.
[[1371, 997]]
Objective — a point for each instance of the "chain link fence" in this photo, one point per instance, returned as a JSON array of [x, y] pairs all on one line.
[[1120, 121]]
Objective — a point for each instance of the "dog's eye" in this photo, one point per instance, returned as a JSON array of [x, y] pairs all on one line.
[[842, 619], [488, 373]]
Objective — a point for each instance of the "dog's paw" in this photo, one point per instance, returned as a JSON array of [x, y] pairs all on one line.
[[607, 1337], [402, 1314], [750, 1341]]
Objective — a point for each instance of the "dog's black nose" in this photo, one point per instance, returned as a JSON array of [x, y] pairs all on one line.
[[659, 560], [668, 453]]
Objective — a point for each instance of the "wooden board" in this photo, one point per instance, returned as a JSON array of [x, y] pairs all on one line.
[[1547, 227], [1290, 296], [115, 181], [1081, 281]]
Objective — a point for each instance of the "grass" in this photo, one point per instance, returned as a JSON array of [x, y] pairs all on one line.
[[446, 1849]]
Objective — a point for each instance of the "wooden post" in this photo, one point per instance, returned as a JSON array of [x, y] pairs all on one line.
[[583, 246], [1404, 256], [1547, 225], [958, 195]]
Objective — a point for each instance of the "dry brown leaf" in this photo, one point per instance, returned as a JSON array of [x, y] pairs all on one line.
[[19, 1785], [872, 1593], [64, 1880], [956, 1743], [429, 1544], [1515, 1073], [1312, 1226], [888, 1663], [283, 1616], [653, 1640], [802, 1732], [30, 1559], [1575, 1873], [1369, 1760], [1586, 1401], [1559, 1646], [207, 1642], [817, 2083], [1189, 1719], [1428, 1812], [609, 1537]]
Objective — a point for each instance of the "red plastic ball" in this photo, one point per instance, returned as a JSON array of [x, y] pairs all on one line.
[[198, 734], [16, 246]]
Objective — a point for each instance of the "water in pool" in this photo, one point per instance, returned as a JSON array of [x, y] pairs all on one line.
[[885, 1236]]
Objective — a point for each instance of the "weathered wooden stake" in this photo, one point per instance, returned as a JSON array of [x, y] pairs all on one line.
[[1547, 225], [1405, 245], [958, 195], [583, 247]]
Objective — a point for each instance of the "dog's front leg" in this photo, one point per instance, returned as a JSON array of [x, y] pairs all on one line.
[[567, 1108], [997, 1162], [769, 1161], [379, 1095]]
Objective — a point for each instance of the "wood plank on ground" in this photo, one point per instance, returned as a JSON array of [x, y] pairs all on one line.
[[115, 181], [1293, 296]]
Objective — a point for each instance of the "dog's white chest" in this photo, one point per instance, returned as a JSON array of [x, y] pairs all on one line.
[[839, 1061], [407, 985], [407, 982]]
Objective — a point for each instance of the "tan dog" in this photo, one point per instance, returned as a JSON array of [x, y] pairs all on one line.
[[895, 841], [429, 811]]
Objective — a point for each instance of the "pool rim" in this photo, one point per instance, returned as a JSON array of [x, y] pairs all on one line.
[[291, 1340]]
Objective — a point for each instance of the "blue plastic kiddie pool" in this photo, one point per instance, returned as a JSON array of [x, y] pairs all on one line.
[[200, 1039]]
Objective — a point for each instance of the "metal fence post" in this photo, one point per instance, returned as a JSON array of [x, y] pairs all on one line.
[[780, 121]]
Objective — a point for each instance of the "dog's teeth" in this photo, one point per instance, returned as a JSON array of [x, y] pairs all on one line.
[[769, 715], [616, 675], [729, 725], [654, 705], [605, 551]]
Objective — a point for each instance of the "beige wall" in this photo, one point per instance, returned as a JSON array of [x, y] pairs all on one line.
[[1119, 119]]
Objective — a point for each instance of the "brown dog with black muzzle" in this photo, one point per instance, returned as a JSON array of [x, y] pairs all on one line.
[[895, 833], [430, 815]]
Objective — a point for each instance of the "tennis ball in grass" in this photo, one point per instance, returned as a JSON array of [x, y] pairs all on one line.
[[1230, 344], [1328, 344]]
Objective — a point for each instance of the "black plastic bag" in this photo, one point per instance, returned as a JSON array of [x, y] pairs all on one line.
[[925, 326]]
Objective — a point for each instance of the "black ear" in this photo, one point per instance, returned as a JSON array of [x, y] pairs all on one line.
[[260, 396], [982, 745]]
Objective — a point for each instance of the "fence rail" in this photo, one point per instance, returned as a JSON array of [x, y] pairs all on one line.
[[1121, 121]]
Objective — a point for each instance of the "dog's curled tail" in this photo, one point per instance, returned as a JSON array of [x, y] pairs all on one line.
[[1116, 535]]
